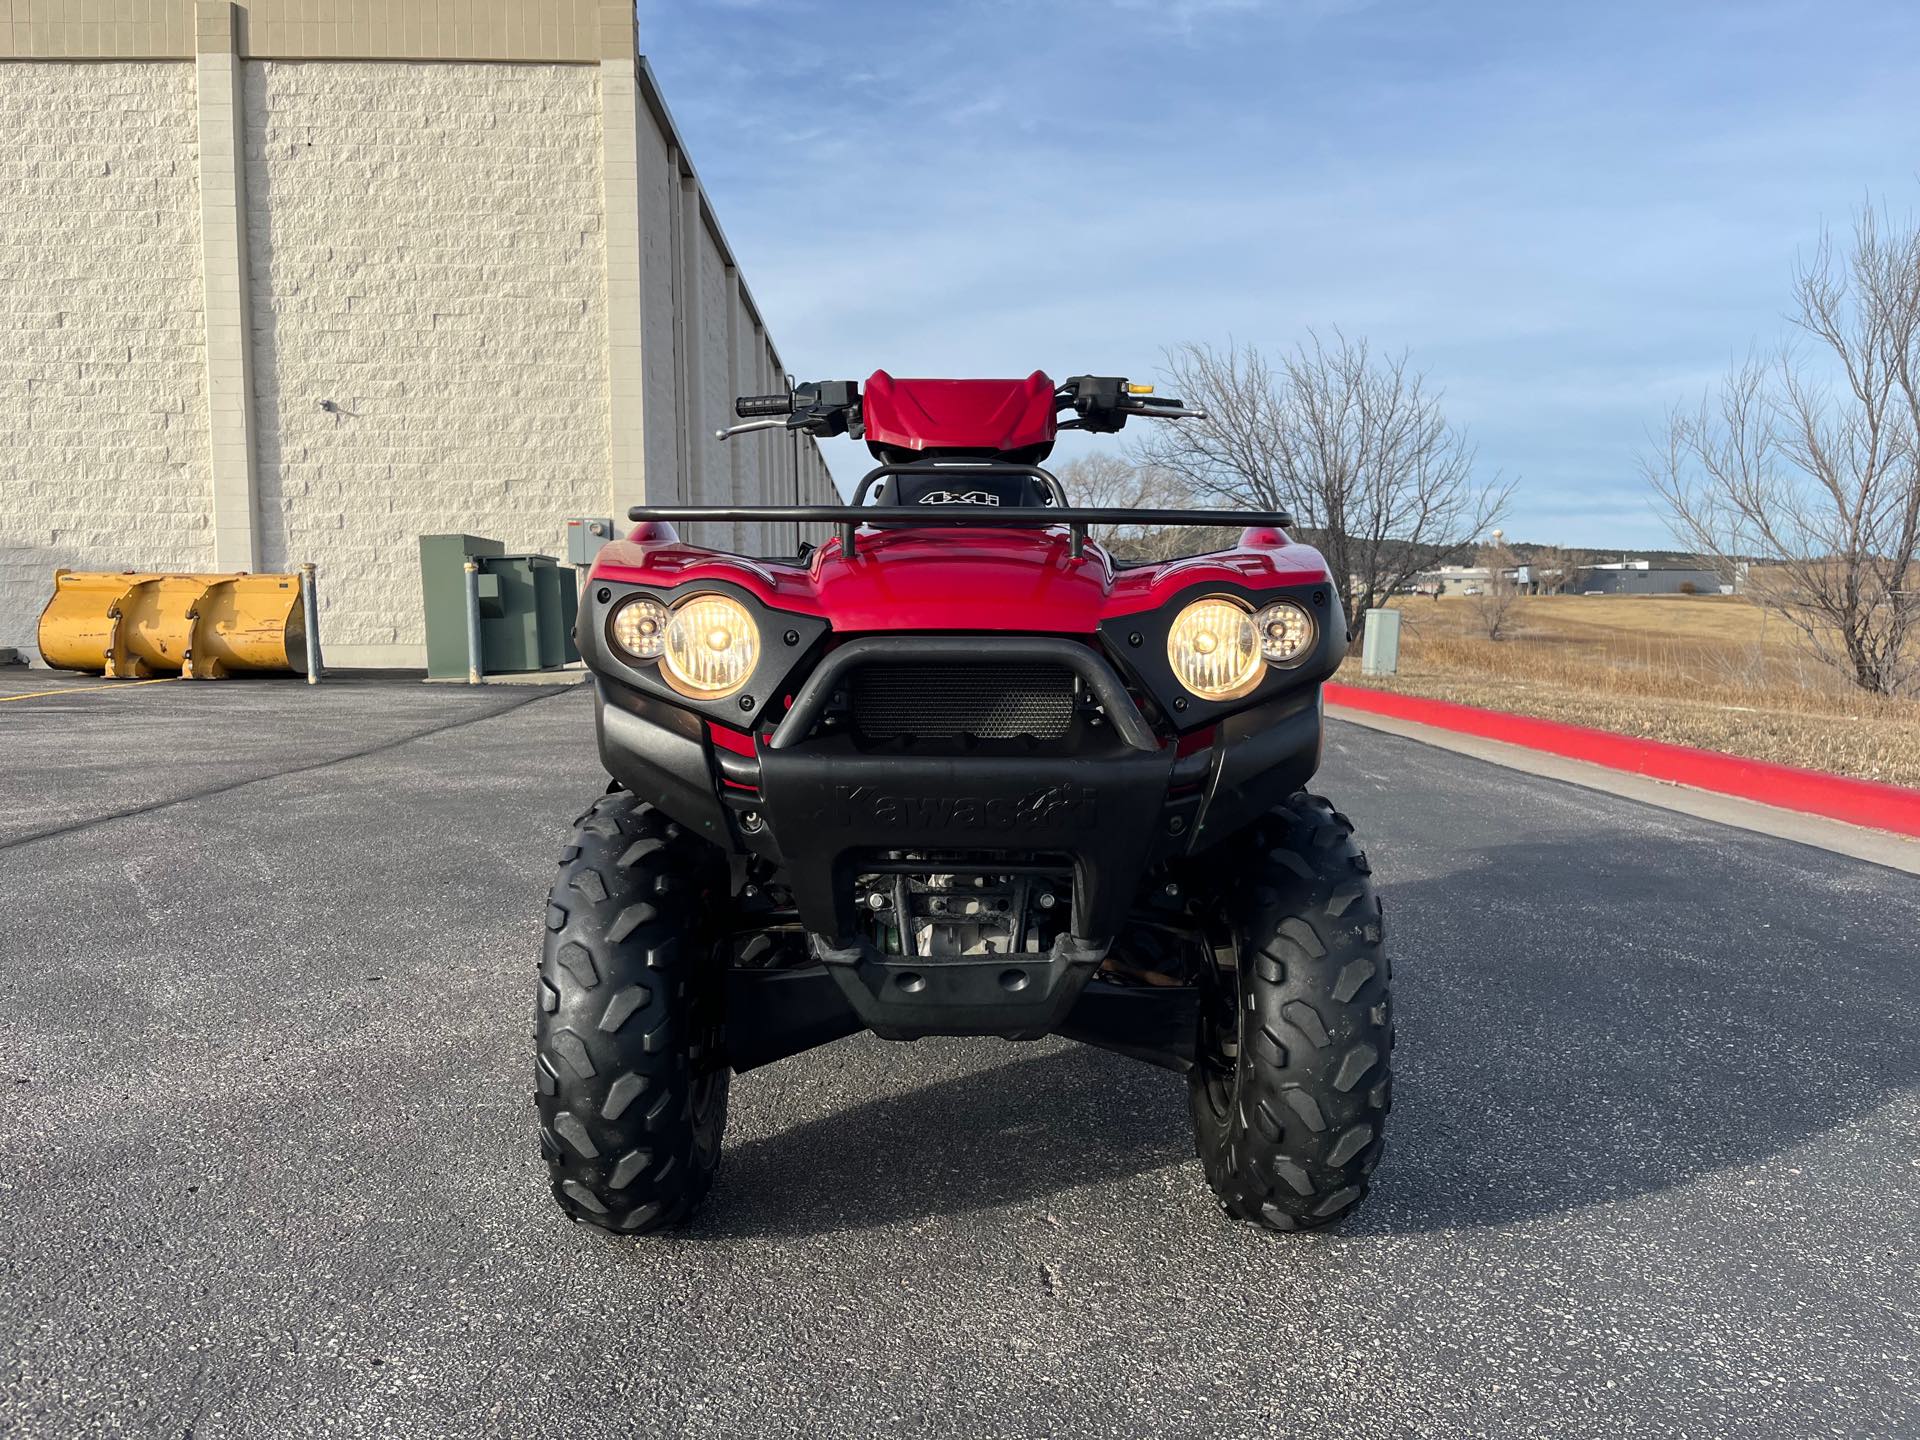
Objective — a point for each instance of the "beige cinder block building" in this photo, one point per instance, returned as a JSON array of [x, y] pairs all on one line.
[[300, 280]]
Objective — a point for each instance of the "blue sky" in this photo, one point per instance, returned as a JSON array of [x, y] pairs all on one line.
[[1571, 215]]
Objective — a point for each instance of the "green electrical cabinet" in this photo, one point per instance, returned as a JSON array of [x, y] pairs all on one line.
[[527, 606], [443, 591], [558, 589], [532, 627]]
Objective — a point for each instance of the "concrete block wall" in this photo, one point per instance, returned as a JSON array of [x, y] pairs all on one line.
[[427, 268], [264, 308], [103, 402]]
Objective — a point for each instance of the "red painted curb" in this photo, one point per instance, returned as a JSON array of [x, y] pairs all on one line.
[[1858, 802]]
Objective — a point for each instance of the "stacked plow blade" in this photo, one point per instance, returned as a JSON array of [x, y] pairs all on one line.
[[134, 625]]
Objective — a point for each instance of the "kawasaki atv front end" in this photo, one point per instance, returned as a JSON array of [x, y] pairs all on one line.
[[958, 771], [959, 825]]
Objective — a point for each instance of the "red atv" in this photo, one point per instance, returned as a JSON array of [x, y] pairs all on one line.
[[959, 771]]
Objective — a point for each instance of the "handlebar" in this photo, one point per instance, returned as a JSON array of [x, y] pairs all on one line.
[[832, 407], [749, 407]]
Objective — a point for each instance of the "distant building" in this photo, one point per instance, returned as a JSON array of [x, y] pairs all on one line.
[[1619, 577], [1643, 577], [1453, 580]]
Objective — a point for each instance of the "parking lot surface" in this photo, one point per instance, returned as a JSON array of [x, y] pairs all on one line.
[[267, 1158]]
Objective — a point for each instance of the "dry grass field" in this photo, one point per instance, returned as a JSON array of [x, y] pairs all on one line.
[[1713, 671]]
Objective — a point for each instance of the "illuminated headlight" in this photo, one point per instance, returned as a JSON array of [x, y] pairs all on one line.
[[640, 628], [1286, 632], [1214, 649], [712, 644]]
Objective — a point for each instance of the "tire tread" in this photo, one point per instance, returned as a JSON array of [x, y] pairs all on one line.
[[1305, 1130], [615, 1024]]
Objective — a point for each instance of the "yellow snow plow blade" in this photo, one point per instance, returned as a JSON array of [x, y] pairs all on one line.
[[134, 625]]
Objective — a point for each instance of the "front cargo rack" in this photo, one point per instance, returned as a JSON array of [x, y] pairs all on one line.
[[1077, 519]]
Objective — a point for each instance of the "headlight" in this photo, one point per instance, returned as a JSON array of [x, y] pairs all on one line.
[[1215, 650], [640, 627], [711, 646], [1286, 632]]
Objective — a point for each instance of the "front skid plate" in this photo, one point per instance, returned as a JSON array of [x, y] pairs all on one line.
[[1021, 997]]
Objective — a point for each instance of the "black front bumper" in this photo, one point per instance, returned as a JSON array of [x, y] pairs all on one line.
[[1110, 803], [829, 804]]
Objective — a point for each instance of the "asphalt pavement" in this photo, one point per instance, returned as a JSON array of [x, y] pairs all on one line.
[[268, 1167]]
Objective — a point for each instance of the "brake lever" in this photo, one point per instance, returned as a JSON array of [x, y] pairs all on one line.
[[781, 423]]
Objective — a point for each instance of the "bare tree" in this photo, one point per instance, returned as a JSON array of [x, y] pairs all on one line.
[[1103, 479], [1494, 602], [1554, 569], [1809, 458], [1108, 480], [1354, 447]]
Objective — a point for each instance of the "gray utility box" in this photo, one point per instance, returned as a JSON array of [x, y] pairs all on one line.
[[585, 536], [527, 607], [1380, 643]]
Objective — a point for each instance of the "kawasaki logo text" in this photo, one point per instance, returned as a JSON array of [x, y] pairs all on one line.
[[1058, 807]]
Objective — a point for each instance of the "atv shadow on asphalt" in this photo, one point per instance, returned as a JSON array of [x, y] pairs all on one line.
[[1580, 1026], [1006, 1134]]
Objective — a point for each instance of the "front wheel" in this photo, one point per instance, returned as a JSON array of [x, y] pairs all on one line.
[[631, 1081], [1292, 1088]]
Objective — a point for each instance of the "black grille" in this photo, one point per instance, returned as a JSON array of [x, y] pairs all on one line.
[[988, 701]]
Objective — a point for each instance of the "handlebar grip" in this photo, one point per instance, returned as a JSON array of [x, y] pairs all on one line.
[[749, 407]]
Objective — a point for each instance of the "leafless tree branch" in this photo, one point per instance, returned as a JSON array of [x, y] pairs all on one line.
[[1493, 604], [1354, 446], [1106, 479], [1808, 459]]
